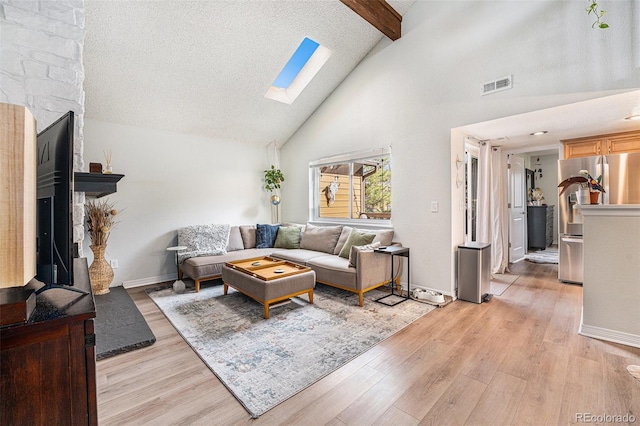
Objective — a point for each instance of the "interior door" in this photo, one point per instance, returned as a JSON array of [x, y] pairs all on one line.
[[517, 209]]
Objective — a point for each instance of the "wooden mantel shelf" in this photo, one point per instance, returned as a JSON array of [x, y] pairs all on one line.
[[96, 184]]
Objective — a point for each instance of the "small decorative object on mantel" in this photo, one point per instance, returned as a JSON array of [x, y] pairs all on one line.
[[95, 167], [100, 221], [107, 168]]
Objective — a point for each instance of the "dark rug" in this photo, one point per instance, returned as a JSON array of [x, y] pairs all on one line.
[[119, 325]]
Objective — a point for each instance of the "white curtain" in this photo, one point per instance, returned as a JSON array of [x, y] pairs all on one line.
[[492, 205], [500, 240], [483, 224]]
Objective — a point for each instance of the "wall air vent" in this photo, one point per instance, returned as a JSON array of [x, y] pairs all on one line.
[[498, 85]]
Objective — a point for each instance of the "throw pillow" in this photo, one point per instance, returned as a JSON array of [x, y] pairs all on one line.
[[299, 225], [288, 237], [320, 238], [266, 235], [235, 239], [353, 253], [346, 230], [356, 238], [384, 237], [248, 234]]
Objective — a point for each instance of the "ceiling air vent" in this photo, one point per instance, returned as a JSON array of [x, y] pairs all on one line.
[[503, 83]]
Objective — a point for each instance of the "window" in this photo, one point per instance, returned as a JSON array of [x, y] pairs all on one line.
[[304, 64], [352, 187]]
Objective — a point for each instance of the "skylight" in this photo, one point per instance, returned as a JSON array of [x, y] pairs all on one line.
[[304, 64]]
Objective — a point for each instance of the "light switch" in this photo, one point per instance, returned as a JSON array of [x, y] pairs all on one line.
[[434, 207]]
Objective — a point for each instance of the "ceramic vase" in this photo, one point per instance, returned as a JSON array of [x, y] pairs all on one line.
[[100, 271]]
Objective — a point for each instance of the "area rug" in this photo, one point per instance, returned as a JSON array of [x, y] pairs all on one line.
[[119, 325], [264, 362], [549, 255], [501, 282]]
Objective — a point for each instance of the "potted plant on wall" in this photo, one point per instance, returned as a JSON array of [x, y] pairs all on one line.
[[273, 177]]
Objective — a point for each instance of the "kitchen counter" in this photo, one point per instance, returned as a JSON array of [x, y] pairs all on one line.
[[611, 288]]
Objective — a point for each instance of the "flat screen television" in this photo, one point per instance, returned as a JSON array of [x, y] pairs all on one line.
[[54, 205]]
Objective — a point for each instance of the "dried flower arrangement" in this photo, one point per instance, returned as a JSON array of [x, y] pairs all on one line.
[[100, 220]]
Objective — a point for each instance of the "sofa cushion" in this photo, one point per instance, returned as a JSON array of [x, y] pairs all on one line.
[[344, 235], [356, 238], [203, 240], [235, 239], [320, 238], [211, 266], [334, 270], [288, 237], [266, 235], [383, 236], [299, 225], [299, 256], [353, 253], [248, 233]]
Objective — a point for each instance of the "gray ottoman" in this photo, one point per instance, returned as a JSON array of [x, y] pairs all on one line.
[[268, 291]]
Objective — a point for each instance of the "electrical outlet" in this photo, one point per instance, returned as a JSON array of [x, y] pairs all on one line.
[[434, 207], [114, 263]]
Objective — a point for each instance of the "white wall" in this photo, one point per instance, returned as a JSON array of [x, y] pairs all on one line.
[[611, 289], [172, 180], [41, 67], [412, 92]]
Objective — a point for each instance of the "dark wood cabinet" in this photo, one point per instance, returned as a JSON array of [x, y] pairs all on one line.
[[539, 226], [48, 364]]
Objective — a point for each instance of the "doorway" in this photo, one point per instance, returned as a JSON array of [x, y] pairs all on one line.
[[517, 207], [541, 186]]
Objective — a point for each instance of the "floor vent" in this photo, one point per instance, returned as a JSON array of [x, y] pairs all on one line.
[[503, 83]]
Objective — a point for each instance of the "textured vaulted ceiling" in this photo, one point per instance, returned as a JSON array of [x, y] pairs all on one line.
[[203, 67]]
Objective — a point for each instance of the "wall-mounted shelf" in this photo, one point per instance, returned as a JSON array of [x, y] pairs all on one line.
[[96, 184]]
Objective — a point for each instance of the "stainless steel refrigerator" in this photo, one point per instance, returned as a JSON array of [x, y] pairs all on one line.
[[621, 181]]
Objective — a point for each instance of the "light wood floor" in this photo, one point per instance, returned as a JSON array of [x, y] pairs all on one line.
[[515, 360]]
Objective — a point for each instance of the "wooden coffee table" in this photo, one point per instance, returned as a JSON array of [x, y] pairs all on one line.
[[268, 280]]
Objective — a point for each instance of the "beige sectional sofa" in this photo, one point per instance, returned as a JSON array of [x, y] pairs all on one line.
[[319, 248]]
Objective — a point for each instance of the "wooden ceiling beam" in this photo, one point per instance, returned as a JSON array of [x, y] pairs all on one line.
[[380, 14]]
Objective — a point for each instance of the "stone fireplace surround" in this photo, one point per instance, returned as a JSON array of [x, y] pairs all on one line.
[[41, 68]]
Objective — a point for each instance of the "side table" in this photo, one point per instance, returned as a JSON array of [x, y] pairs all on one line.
[[396, 251], [178, 285]]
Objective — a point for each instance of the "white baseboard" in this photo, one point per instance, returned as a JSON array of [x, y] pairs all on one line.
[[149, 280], [609, 335]]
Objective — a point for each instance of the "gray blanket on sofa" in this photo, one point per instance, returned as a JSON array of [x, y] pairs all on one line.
[[203, 240]]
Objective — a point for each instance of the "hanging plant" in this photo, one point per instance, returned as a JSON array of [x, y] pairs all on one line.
[[593, 8], [272, 178]]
